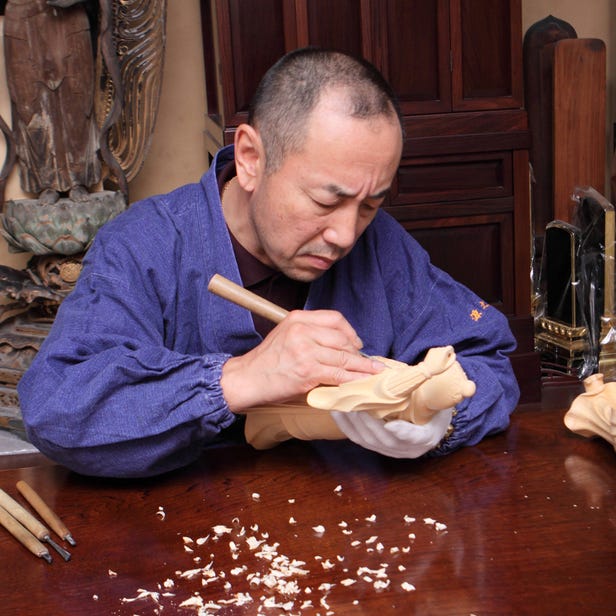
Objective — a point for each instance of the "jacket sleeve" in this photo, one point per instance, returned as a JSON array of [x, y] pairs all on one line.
[[483, 342], [107, 394], [431, 309]]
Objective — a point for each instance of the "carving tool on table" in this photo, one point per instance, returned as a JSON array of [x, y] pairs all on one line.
[[41, 507], [227, 289], [27, 520], [23, 535]]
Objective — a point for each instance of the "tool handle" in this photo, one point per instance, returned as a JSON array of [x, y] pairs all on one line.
[[22, 534], [225, 288], [23, 516], [41, 507]]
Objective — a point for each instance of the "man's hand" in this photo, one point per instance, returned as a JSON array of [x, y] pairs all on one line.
[[306, 349]]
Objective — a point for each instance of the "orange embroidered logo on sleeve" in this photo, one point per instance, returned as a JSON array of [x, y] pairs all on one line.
[[476, 314]]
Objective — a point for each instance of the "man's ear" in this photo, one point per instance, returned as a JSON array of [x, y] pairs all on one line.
[[249, 156]]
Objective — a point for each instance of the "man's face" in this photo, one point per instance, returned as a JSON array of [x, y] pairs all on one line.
[[309, 213]]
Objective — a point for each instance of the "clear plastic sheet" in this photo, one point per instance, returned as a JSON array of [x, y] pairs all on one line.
[[574, 304]]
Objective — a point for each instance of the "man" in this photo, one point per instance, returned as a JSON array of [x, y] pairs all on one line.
[[144, 366]]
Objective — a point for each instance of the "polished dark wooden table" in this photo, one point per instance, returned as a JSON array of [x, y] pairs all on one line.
[[523, 523]]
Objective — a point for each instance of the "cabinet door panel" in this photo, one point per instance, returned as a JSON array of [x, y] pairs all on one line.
[[486, 52], [333, 25], [252, 23], [475, 250], [416, 35], [447, 178]]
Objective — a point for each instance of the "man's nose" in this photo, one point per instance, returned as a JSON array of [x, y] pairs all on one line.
[[343, 226]]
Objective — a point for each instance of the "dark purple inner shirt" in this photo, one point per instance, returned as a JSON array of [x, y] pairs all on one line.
[[262, 279]]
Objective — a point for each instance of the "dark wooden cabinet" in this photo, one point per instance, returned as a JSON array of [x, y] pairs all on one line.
[[462, 188]]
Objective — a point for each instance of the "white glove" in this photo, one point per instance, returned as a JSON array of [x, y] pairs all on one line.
[[397, 438]]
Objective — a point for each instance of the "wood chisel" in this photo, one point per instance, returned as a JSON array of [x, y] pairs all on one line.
[[30, 522], [43, 509], [23, 535]]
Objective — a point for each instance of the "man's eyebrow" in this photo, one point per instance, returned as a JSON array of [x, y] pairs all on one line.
[[341, 192]]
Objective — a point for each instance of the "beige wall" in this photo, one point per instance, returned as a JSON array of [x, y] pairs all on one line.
[[177, 153]]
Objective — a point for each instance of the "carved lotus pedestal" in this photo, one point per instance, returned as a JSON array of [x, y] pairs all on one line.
[[65, 227], [58, 235]]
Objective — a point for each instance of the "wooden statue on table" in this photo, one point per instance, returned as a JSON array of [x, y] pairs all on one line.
[[593, 413]]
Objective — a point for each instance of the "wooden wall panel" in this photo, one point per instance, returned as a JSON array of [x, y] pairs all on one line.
[[578, 91]]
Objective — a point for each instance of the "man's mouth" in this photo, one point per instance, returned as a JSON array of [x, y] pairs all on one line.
[[319, 261]]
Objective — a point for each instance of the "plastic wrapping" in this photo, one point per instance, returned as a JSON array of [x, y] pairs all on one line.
[[574, 307]]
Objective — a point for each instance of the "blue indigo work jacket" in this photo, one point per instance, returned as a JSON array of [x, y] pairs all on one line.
[[128, 381]]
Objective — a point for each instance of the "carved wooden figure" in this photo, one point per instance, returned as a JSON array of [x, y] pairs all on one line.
[[84, 81], [593, 413], [412, 393], [50, 73]]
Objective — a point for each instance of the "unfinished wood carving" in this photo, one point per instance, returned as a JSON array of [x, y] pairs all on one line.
[[412, 393], [593, 413]]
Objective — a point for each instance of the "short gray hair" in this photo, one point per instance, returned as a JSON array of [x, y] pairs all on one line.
[[292, 88]]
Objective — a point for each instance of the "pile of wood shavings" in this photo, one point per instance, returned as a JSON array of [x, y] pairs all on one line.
[[277, 583]]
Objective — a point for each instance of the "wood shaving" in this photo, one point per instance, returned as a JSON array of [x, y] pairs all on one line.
[[195, 601], [143, 594], [275, 580], [254, 543], [221, 529]]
